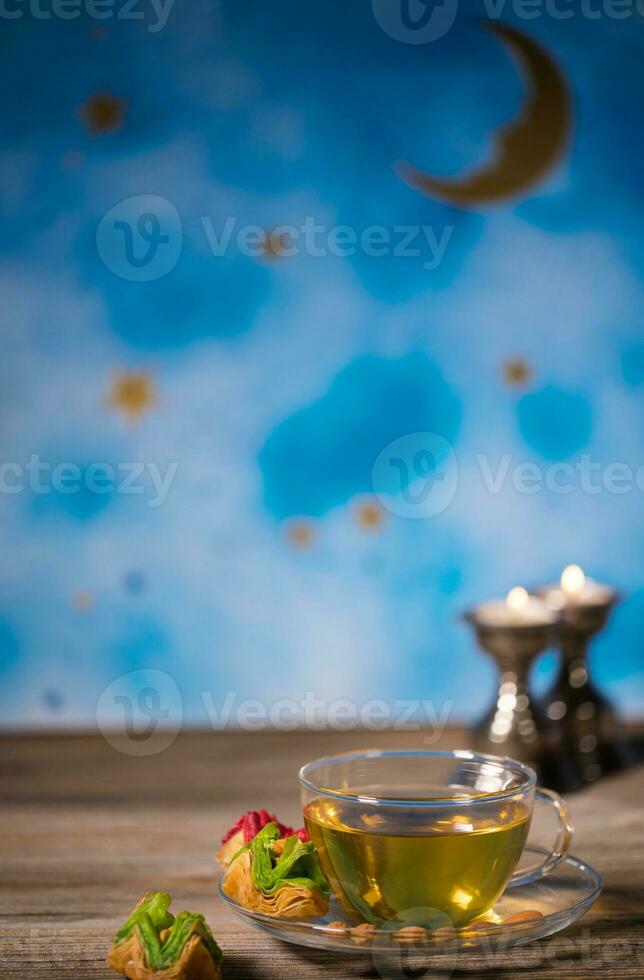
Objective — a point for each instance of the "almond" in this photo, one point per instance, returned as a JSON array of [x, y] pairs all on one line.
[[529, 915], [338, 927], [410, 934], [479, 928], [363, 933]]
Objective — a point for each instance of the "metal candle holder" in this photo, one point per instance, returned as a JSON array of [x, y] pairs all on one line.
[[581, 729], [512, 726]]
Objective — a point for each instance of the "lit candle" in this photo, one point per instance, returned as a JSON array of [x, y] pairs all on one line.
[[575, 589], [519, 608], [572, 581]]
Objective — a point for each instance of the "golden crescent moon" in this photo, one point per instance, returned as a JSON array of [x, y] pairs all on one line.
[[526, 148]]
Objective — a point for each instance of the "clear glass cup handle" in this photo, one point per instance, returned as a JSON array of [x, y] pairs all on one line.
[[561, 846]]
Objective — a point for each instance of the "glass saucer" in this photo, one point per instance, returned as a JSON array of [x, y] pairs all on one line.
[[562, 897]]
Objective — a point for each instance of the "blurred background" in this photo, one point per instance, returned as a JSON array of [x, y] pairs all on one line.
[[320, 323]]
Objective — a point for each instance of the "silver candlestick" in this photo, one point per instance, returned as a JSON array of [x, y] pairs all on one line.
[[513, 632], [582, 729]]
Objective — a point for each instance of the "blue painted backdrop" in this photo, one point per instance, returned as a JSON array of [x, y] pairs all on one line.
[[264, 386]]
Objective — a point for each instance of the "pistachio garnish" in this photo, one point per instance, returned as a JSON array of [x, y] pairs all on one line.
[[154, 945], [289, 884]]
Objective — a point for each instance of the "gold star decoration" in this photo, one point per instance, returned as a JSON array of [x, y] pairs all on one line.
[[103, 113], [275, 245], [82, 601], [517, 372], [71, 160], [132, 394], [369, 515], [300, 534]]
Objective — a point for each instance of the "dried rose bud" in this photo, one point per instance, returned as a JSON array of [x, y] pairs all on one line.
[[247, 828], [251, 823]]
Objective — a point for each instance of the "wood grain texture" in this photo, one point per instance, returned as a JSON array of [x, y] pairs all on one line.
[[85, 831]]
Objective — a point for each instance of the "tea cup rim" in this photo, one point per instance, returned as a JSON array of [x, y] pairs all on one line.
[[528, 783]]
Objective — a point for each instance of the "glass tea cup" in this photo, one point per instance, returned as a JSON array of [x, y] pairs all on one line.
[[397, 832]]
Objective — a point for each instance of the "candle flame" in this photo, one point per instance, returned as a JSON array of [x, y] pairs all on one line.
[[573, 580], [517, 598]]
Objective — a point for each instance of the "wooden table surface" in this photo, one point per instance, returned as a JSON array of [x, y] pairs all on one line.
[[85, 831]]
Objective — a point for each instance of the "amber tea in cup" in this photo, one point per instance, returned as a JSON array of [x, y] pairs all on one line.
[[399, 832]]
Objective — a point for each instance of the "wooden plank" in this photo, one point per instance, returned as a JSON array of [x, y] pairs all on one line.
[[85, 831]]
